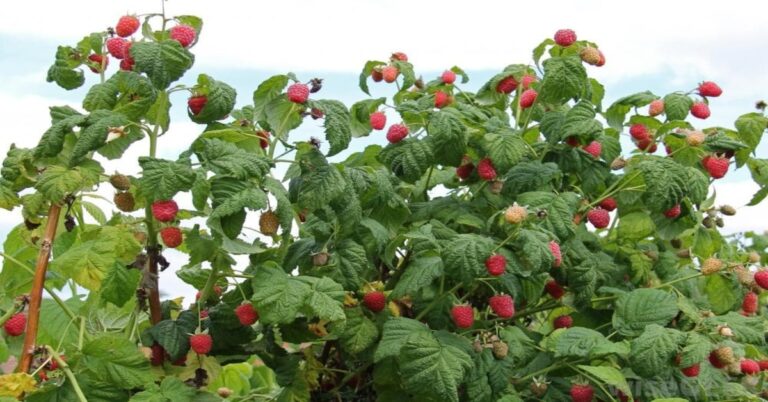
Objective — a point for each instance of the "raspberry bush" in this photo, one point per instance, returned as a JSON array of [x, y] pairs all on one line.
[[497, 245]]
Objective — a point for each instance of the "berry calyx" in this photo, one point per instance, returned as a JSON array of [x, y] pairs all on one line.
[[656, 107], [396, 133], [201, 343], [496, 264], [184, 34], [246, 314], [378, 120], [565, 37], [599, 218], [463, 316], [389, 73], [554, 248], [502, 305], [486, 170], [582, 393], [196, 104], [608, 204], [298, 93], [375, 301], [126, 26], [15, 325], [507, 85], [709, 88], [673, 212], [448, 77], [172, 236], [527, 98], [594, 148], [563, 321], [165, 210], [700, 110]]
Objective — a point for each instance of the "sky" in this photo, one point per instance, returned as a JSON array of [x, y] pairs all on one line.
[[660, 46]]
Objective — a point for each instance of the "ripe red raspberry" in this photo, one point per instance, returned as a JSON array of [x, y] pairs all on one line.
[[700, 110], [750, 303], [608, 204], [465, 169], [158, 355], [197, 103], [184, 34], [527, 80], [639, 131], [600, 62], [126, 64], [582, 393], [496, 264], [527, 98], [463, 316], [127, 25], [485, 169], [171, 236], [448, 77], [263, 139], [201, 343], [116, 47], [763, 365], [709, 88], [298, 93], [647, 145], [715, 361], [554, 248], [376, 75], [656, 107], [16, 325], [599, 218], [563, 321], [573, 141], [54, 365], [554, 289], [565, 37], [95, 62], [716, 167], [507, 85], [246, 314], [673, 212], [749, 367], [389, 73], [502, 305], [378, 120], [442, 99], [399, 56], [375, 301], [594, 148], [396, 133], [761, 278], [165, 210], [692, 371]]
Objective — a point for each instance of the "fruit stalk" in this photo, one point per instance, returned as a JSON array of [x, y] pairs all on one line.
[[36, 294], [70, 376]]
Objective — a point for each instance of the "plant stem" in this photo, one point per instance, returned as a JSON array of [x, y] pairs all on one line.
[[38, 283], [156, 314], [674, 281], [209, 284], [48, 290], [65, 367]]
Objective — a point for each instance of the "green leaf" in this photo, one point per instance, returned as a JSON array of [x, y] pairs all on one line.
[[419, 273], [220, 100], [159, 112], [326, 298], [119, 284], [432, 368], [409, 159], [162, 179], [57, 181], [52, 141], [564, 78], [278, 297], [745, 329], [359, 333], [231, 198], [127, 93], [170, 390], [363, 80], [665, 182], [360, 115], [506, 150], [535, 254], [164, 62], [751, 127], [173, 335], [282, 116], [676, 106], [696, 349], [529, 176], [63, 71], [652, 352], [336, 123], [577, 342], [225, 158], [446, 135], [394, 335], [635, 226], [643, 307], [722, 293], [559, 208], [8, 198], [95, 134], [321, 186], [464, 257], [268, 90], [352, 264], [114, 359], [610, 376], [617, 112]]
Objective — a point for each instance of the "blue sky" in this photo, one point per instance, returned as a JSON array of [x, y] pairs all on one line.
[[660, 46]]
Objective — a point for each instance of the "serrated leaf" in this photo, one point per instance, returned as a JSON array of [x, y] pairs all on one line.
[[464, 257], [52, 141], [394, 335], [409, 159], [336, 123], [63, 71], [162, 179], [564, 78], [95, 134], [268, 90], [119, 284], [326, 298], [610, 376], [652, 352], [278, 297], [635, 226], [419, 273], [643, 307], [676, 106], [57, 182], [448, 139], [164, 62], [696, 350], [173, 335], [114, 359], [363, 80], [745, 329], [529, 176], [220, 100], [321, 186], [577, 342], [225, 158], [617, 112], [359, 332], [282, 116], [170, 390], [429, 367], [722, 293], [559, 208], [665, 182], [360, 115]]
